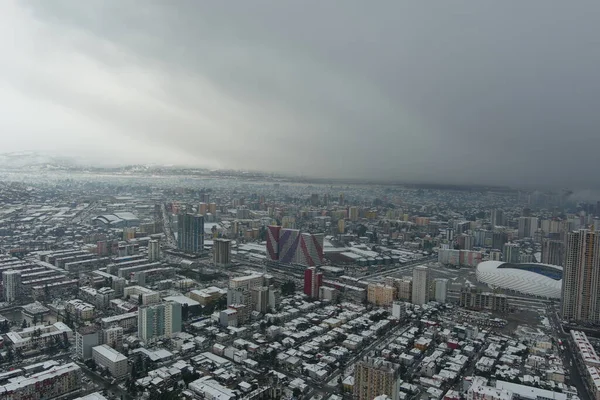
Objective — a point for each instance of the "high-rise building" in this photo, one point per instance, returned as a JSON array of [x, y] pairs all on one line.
[[553, 252], [511, 253], [341, 226], [313, 280], [581, 277], [420, 285], [202, 208], [153, 250], [260, 298], [466, 242], [86, 337], [190, 233], [222, 252], [441, 290], [309, 252], [11, 282], [527, 227], [158, 321], [497, 218], [353, 213], [314, 199], [289, 246], [212, 208], [374, 377], [498, 240], [273, 242]]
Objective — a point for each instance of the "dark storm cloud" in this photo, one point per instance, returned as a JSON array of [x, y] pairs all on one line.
[[480, 92]]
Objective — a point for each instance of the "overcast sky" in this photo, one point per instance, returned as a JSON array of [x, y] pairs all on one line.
[[504, 92]]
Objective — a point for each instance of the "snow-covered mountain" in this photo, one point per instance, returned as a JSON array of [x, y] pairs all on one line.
[[30, 159]]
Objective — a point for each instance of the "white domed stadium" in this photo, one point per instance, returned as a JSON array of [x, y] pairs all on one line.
[[532, 279]]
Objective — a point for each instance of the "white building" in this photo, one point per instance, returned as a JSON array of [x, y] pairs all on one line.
[[49, 384], [115, 362], [210, 389], [11, 281], [148, 296], [441, 290], [399, 310], [26, 339], [420, 285]]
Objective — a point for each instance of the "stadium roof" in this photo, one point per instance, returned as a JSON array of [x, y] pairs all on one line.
[[532, 279]]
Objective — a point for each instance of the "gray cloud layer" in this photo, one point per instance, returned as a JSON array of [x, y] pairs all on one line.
[[463, 91]]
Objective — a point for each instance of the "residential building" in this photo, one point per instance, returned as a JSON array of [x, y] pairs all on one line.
[[11, 284], [553, 252], [111, 359], [126, 321], [289, 246], [158, 321], [190, 233], [313, 280], [113, 337], [527, 227], [222, 252], [147, 296], [399, 310], [153, 250], [80, 309], [441, 289], [374, 377], [228, 317], [420, 285], [85, 338], [511, 253], [477, 300], [381, 295], [497, 218], [33, 335], [581, 277], [260, 298], [353, 213], [49, 384], [207, 295]]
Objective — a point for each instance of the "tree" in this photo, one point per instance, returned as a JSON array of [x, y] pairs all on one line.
[[24, 324], [297, 393], [35, 319]]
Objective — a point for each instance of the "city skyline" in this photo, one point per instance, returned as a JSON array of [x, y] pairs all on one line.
[[458, 99]]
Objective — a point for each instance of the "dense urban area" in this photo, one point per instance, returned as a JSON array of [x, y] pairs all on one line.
[[164, 283]]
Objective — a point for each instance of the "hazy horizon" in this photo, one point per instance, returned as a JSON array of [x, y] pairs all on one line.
[[461, 93]]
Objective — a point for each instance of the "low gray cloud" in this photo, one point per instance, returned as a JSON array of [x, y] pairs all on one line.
[[460, 92]]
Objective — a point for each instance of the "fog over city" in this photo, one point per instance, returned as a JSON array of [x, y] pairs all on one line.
[[451, 92]]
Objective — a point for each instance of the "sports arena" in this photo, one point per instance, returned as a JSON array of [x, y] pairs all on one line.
[[532, 279]]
